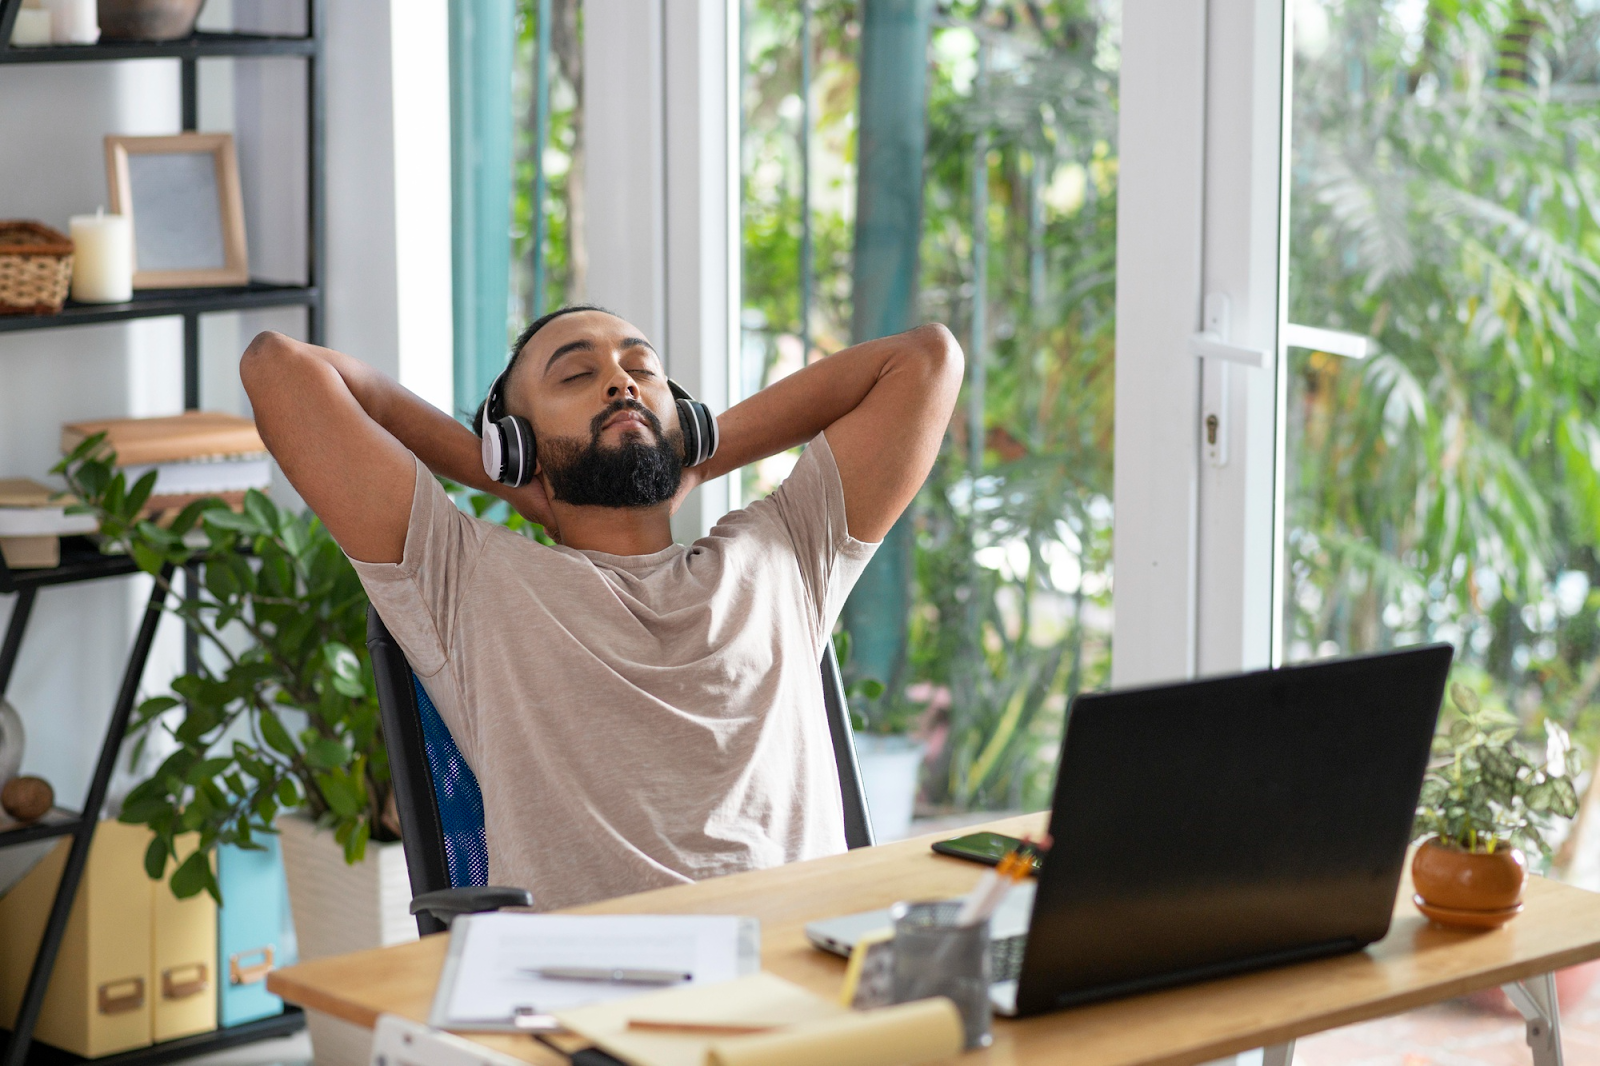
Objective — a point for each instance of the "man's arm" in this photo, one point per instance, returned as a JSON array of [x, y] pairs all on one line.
[[884, 405], [345, 435]]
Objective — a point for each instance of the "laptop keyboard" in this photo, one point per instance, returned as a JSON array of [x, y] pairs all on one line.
[[1005, 958]]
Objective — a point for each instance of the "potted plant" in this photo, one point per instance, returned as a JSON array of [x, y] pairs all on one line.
[[1484, 800], [277, 730], [890, 759]]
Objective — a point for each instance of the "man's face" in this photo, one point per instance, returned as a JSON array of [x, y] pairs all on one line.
[[604, 420]]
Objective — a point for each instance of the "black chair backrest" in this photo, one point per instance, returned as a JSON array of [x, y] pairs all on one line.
[[412, 781], [420, 823]]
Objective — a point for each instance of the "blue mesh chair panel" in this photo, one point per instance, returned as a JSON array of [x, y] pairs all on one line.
[[456, 793]]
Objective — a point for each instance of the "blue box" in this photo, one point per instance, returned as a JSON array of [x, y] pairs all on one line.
[[251, 927]]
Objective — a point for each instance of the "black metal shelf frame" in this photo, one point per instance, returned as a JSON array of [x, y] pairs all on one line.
[[81, 559]]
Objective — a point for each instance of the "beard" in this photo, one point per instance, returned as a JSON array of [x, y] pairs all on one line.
[[635, 473]]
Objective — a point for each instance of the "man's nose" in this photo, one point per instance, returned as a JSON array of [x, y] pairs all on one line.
[[622, 384]]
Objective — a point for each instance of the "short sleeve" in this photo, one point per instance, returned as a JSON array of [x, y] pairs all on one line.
[[810, 507], [418, 597]]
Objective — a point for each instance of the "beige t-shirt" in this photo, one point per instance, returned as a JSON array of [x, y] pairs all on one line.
[[634, 721]]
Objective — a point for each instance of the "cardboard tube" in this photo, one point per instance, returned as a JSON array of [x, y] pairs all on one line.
[[890, 1036]]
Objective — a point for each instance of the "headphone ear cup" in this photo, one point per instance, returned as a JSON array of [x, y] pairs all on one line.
[[689, 424], [517, 438]]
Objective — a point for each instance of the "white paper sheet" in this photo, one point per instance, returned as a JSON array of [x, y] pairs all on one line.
[[491, 952]]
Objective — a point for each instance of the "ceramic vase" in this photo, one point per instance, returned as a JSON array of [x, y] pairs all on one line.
[[890, 767], [339, 908], [1468, 889]]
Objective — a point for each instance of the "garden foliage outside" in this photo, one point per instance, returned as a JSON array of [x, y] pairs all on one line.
[[1445, 201], [1012, 583]]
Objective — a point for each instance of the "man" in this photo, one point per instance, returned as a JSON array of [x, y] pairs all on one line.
[[638, 713]]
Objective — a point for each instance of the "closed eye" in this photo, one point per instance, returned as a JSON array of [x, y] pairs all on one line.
[[643, 373], [575, 377]]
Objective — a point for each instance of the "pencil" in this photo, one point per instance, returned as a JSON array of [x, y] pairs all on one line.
[[651, 1025]]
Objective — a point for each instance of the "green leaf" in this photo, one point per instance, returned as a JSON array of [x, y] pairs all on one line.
[[140, 493], [1464, 698], [288, 794], [274, 733], [155, 858], [263, 510], [324, 754], [224, 518], [342, 795]]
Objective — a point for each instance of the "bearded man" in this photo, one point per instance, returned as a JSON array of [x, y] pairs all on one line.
[[638, 713]]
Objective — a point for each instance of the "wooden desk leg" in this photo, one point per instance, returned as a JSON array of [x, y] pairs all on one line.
[[1278, 1054], [1535, 998]]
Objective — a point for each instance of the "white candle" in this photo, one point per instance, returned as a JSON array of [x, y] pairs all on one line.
[[32, 28], [74, 21], [102, 258]]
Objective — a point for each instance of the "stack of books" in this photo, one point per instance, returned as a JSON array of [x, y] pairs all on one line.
[[195, 454], [33, 519]]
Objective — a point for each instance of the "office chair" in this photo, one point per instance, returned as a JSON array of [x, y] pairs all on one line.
[[441, 806]]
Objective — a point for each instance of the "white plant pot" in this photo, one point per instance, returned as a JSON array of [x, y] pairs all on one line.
[[889, 771], [339, 908]]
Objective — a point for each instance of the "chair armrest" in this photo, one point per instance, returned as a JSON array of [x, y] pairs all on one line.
[[446, 903]]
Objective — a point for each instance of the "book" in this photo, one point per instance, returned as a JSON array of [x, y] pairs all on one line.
[[176, 438], [31, 553], [29, 509], [200, 477]]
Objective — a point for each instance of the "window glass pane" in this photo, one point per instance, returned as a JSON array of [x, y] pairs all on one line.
[[1011, 576], [547, 262], [1443, 204]]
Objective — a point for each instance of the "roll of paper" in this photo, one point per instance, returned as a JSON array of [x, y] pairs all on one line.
[[889, 1036], [102, 258]]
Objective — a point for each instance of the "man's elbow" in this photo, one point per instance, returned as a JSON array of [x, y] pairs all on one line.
[[256, 364], [940, 353]]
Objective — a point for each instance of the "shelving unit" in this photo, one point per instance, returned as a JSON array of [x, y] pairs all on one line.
[[81, 559]]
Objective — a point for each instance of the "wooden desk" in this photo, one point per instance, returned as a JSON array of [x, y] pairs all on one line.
[[1415, 965]]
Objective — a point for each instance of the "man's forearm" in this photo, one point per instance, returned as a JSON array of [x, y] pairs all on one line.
[[794, 410], [444, 445]]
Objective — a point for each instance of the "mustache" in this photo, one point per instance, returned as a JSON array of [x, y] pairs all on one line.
[[598, 422]]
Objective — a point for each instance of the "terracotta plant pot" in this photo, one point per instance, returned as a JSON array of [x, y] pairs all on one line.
[[1456, 887], [147, 20]]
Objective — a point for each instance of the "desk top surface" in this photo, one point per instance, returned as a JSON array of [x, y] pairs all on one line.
[[1416, 964]]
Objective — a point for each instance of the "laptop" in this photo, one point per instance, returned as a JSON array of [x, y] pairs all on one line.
[[1212, 827]]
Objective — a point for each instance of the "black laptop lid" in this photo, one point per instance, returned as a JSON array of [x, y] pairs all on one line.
[[1220, 825]]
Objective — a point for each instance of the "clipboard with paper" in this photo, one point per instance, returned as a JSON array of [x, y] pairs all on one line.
[[489, 970]]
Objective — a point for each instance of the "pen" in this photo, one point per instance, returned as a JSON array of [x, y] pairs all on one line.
[[608, 975]]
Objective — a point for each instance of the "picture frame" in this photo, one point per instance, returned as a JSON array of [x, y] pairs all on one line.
[[182, 195]]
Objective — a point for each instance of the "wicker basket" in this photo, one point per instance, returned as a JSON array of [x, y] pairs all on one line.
[[35, 269]]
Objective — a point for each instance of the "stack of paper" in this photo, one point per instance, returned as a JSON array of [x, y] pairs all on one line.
[[32, 523], [195, 454], [489, 976]]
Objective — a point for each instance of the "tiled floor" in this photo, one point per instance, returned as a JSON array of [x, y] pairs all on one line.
[[1457, 1033]]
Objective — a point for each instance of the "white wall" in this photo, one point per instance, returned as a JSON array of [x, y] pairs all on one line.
[[387, 285]]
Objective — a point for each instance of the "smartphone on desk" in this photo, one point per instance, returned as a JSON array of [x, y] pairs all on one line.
[[987, 848]]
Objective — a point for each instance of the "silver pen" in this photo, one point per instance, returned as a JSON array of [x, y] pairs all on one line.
[[609, 975]]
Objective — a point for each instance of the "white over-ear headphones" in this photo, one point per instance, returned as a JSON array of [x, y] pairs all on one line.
[[508, 446]]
